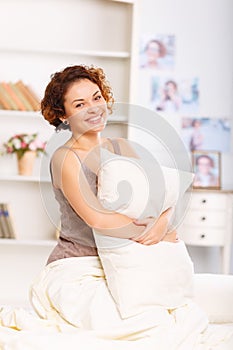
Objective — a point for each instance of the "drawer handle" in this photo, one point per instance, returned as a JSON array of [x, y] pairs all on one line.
[[204, 201], [203, 218], [202, 235]]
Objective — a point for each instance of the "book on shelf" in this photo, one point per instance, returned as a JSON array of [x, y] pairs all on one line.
[[7, 229], [3, 105], [18, 96], [6, 100], [29, 94], [15, 98], [26, 103]]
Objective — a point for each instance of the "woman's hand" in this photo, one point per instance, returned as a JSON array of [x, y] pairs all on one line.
[[156, 230], [149, 235]]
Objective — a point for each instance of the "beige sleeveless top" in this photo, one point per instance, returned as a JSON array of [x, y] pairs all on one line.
[[76, 237]]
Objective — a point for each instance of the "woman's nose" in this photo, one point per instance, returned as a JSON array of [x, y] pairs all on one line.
[[92, 108]]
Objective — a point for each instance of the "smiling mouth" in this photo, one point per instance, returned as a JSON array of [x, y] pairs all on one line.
[[95, 120]]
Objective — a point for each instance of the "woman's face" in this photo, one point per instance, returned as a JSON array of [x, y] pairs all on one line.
[[204, 165], [153, 52], [170, 88], [85, 107]]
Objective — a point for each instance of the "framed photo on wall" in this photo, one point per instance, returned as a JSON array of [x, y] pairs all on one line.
[[157, 52], [207, 133], [207, 169]]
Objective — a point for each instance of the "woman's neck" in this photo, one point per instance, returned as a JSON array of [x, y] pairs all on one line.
[[85, 142]]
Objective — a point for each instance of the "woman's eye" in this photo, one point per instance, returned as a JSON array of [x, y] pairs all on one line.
[[79, 105], [98, 97]]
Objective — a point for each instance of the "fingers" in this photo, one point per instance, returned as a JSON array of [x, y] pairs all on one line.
[[144, 222], [139, 238], [147, 239], [146, 242]]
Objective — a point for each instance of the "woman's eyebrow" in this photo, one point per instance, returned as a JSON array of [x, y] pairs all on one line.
[[78, 99], [82, 99]]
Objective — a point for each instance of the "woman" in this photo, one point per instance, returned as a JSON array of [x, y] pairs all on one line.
[[170, 98], [197, 137], [80, 98], [72, 287]]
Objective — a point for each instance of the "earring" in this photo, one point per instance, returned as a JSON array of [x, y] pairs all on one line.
[[66, 122]]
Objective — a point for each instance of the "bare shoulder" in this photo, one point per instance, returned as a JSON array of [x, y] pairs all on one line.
[[64, 162], [126, 147], [64, 157]]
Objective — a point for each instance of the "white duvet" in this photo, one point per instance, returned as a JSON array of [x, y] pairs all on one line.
[[69, 300]]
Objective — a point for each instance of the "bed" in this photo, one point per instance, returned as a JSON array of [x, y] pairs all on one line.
[[22, 329]]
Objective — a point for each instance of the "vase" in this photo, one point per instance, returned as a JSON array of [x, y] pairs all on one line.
[[26, 163]]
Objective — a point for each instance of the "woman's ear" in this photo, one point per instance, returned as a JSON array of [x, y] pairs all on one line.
[[64, 121]]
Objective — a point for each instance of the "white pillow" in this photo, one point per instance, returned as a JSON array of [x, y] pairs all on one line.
[[140, 276], [138, 187]]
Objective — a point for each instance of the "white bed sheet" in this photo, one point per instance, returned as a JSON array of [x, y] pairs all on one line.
[[24, 330]]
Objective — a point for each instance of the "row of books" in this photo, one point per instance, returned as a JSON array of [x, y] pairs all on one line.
[[6, 222], [18, 96]]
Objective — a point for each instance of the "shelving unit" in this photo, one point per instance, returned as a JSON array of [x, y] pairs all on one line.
[[33, 242], [90, 53], [45, 37], [19, 114], [22, 178]]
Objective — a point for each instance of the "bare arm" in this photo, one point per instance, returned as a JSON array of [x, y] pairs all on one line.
[[69, 177]]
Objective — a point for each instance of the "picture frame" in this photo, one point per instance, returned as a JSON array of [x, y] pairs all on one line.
[[173, 94], [206, 133], [207, 169], [157, 52]]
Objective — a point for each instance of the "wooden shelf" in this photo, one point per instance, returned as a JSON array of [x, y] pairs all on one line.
[[27, 242], [22, 178], [86, 53], [125, 1], [13, 113]]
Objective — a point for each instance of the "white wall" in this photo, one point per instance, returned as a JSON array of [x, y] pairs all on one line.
[[204, 48]]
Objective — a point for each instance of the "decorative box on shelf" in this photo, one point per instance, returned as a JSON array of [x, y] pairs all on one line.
[[208, 222]]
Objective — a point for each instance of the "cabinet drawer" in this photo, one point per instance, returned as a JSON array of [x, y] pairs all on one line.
[[206, 219], [208, 201], [203, 237]]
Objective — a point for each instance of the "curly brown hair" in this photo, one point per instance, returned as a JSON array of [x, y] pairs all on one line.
[[52, 104]]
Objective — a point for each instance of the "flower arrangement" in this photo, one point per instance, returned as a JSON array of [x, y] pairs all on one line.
[[22, 143]]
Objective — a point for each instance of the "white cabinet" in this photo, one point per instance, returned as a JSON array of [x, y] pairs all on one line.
[[208, 222]]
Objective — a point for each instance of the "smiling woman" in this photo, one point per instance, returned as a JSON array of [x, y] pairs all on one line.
[[79, 98]]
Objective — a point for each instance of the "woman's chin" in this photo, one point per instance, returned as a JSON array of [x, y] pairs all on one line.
[[97, 128]]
